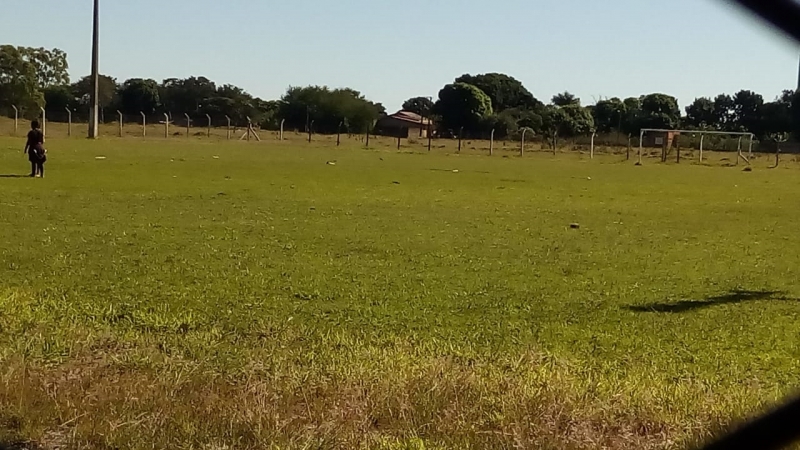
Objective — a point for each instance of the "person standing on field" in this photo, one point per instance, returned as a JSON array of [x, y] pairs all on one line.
[[34, 148]]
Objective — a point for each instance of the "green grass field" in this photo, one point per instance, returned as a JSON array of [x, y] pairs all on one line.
[[213, 295]]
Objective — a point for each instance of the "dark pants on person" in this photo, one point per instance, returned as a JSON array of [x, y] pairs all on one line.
[[37, 167]]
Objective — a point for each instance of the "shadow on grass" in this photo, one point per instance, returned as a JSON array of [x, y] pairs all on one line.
[[732, 298], [17, 445], [12, 176]]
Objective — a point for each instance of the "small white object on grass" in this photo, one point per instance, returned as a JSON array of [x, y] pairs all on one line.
[[455, 171], [215, 157], [99, 157]]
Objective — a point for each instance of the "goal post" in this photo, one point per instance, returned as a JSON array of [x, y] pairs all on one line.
[[702, 133]]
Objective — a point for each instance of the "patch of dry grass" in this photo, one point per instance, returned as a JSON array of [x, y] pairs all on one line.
[[371, 399]]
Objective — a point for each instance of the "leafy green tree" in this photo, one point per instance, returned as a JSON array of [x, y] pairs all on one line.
[[565, 99], [462, 105], [19, 85], [724, 112], [219, 107], [236, 103], [776, 118], [580, 121], [58, 97], [267, 113], [503, 124], [419, 105], [107, 88], [186, 96], [701, 114], [631, 121], [529, 119], [139, 95], [51, 66], [659, 111], [328, 108], [553, 121], [747, 114], [505, 91], [793, 98], [609, 114], [567, 121]]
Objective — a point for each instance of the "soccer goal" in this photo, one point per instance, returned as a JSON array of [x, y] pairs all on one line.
[[665, 138]]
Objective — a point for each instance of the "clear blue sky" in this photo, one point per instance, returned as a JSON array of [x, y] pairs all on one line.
[[392, 50]]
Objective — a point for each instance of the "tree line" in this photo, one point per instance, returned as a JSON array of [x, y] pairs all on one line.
[[476, 104], [34, 78], [472, 105]]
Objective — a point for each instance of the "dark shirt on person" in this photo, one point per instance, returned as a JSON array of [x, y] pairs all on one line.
[[35, 141]]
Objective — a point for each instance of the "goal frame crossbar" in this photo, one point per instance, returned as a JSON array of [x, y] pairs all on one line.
[[702, 134]]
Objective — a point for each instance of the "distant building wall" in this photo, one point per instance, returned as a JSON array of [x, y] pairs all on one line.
[[390, 126]]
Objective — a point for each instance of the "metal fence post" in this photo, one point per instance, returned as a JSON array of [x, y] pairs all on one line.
[[591, 150], [44, 122], [16, 119], [339, 134], [166, 126], [460, 137], [229, 127], [702, 138], [628, 150], [430, 136], [641, 146], [739, 151], [282, 122], [491, 143], [522, 143], [144, 124], [69, 122], [119, 113], [208, 116], [310, 131], [188, 124]]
